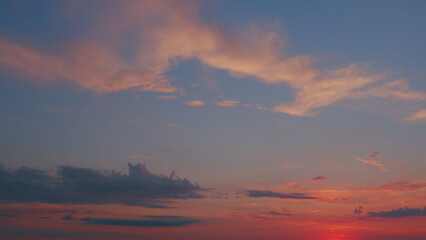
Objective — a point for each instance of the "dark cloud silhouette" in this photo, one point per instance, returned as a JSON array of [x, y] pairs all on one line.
[[84, 185], [358, 211], [401, 212], [259, 193], [9, 215], [149, 221], [68, 217], [276, 213]]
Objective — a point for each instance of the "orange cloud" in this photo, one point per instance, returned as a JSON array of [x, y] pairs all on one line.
[[196, 103], [165, 32], [420, 115], [227, 103], [91, 66]]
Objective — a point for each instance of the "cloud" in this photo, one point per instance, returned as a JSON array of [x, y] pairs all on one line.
[[152, 221], [401, 212], [317, 179], [358, 211], [174, 125], [84, 185], [233, 103], [196, 103], [167, 97], [260, 193], [291, 185], [9, 215], [68, 218], [402, 186], [228, 103], [281, 211], [418, 116], [141, 157], [374, 160], [166, 32], [89, 65]]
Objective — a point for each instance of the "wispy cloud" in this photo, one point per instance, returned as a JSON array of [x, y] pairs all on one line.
[[228, 103], [418, 116], [169, 31], [174, 125], [167, 97], [196, 103], [402, 186], [401, 212], [141, 157], [234, 103], [374, 160]]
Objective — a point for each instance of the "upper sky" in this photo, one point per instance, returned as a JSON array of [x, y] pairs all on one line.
[[281, 114]]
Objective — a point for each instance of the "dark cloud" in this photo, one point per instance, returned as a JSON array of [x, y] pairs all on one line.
[[259, 193], [84, 185], [276, 213], [401, 212], [358, 211], [68, 217], [9, 215], [149, 221]]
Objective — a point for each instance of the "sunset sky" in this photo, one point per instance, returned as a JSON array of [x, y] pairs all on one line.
[[233, 120]]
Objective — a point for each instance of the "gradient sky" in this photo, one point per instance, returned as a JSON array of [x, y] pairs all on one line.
[[241, 120]]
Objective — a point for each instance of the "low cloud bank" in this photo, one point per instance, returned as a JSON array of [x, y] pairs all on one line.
[[84, 185]]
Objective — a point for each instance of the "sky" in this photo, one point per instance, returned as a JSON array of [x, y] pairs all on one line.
[[212, 119]]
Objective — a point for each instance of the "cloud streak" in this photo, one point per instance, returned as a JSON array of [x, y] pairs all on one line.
[[260, 193], [402, 186], [418, 116], [155, 221]]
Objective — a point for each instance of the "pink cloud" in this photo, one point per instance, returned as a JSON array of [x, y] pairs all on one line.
[[141, 157], [402, 186], [317, 179], [418, 116], [196, 103], [167, 97], [374, 160], [233, 103], [227, 103], [174, 125], [166, 32]]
